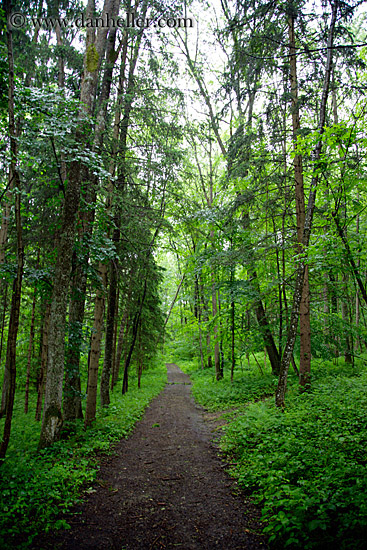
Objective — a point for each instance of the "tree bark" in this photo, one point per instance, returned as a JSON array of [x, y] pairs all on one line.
[[110, 325], [30, 346], [218, 373], [95, 351], [41, 379], [52, 414], [11, 351], [305, 326], [134, 335], [297, 297], [267, 335]]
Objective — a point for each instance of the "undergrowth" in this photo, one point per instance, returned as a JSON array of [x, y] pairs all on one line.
[[305, 467], [38, 487]]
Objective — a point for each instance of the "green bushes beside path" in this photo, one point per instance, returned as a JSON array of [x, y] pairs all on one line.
[[305, 467], [36, 487]]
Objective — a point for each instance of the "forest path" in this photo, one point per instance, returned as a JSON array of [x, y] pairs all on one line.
[[164, 487]]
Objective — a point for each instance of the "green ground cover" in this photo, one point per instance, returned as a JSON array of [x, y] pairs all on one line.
[[36, 487], [305, 467]]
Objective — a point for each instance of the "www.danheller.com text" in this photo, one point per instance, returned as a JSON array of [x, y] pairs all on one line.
[[130, 20]]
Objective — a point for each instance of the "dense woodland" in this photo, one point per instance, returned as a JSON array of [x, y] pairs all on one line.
[[197, 190]]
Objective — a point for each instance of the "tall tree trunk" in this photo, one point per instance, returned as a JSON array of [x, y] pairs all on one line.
[[140, 357], [30, 346], [133, 340], [110, 325], [264, 325], [218, 374], [297, 296], [304, 311], [99, 304], [358, 339], [95, 351], [124, 327], [52, 415], [5, 303], [72, 404], [41, 378], [5, 385], [345, 318], [120, 129], [10, 365], [72, 401]]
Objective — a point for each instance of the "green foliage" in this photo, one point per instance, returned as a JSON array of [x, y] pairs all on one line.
[[37, 488], [219, 395], [307, 466]]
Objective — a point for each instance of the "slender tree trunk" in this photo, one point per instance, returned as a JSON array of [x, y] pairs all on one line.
[[297, 297], [233, 357], [72, 404], [110, 325], [305, 327], [218, 374], [201, 344], [124, 327], [41, 379], [120, 130], [95, 351], [30, 346], [174, 300], [134, 335], [5, 303], [5, 385], [13, 326], [10, 364], [140, 357], [358, 339], [267, 335], [345, 318]]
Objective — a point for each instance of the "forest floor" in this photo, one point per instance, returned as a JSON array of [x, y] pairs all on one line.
[[164, 487]]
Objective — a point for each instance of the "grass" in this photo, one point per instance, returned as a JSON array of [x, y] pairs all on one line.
[[305, 467], [38, 487]]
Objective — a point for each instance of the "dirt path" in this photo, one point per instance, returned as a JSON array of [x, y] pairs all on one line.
[[164, 487]]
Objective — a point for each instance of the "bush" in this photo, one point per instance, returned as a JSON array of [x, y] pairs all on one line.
[[307, 466], [36, 487]]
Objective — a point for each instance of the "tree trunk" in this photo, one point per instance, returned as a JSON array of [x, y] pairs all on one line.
[[134, 335], [72, 405], [305, 327], [52, 415], [41, 379], [140, 357], [297, 297], [345, 318], [95, 351], [267, 335], [5, 303], [218, 374], [30, 346], [124, 327], [10, 365], [110, 325], [233, 357]]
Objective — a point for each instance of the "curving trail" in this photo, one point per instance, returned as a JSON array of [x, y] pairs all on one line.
[[164, 488]]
